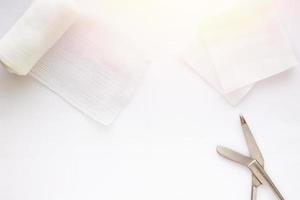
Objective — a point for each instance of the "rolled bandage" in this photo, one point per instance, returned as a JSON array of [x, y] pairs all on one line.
[[41, 26]]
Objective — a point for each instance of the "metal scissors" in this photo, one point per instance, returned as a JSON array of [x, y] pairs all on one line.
[[255, 162]]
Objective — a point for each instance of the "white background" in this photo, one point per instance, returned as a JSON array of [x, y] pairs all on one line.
[[163, 145]]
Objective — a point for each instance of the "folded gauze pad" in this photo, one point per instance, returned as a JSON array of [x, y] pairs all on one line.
[[239, 46], [246, 44], [35, 33]]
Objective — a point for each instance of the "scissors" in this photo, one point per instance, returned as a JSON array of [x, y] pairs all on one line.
[[255, 162]]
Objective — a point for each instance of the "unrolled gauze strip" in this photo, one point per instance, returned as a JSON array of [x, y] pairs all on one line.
[[93, 67], [41, 26]]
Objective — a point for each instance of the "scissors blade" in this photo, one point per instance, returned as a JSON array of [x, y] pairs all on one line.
[[234, 156], [251, 143]]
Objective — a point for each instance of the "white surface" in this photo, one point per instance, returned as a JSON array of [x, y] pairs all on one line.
[[161, 147]]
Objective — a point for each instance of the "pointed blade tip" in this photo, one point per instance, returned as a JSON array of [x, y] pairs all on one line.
[[242, 119], [219, 150]]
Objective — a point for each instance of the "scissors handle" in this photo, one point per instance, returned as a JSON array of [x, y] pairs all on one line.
[[263, 177], [253, 192]]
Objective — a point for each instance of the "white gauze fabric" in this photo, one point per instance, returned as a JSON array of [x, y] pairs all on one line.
[[240, 46], [92, 66], [200, 61], [35, 33]]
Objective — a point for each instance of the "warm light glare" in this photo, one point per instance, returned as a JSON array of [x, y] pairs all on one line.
[[171, 22]]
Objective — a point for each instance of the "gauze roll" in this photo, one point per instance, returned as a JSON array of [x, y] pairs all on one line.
[[41, 26], [94, 67]]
